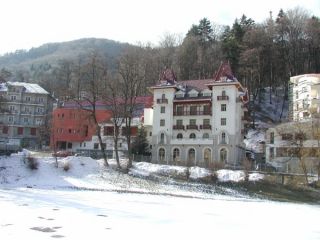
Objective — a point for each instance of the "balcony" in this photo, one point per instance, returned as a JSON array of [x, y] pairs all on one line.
[[222, 98], [162, 101], [192, 127], [206, 126], [178, 127], [191, 113]]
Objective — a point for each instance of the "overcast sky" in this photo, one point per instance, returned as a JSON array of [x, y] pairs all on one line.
[[31, 23]]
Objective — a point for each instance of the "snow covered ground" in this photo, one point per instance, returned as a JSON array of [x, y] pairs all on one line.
[[89, 201]]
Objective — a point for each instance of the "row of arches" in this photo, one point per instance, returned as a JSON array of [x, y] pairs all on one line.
[[191, 155]]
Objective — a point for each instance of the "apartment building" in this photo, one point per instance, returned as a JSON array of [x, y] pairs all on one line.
[[199, 122], [24, 111], [304, 96]]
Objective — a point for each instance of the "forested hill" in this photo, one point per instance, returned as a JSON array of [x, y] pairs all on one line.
[[51, 53]]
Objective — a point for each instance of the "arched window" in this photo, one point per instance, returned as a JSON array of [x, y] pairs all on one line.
[[223, 93], [176, 154], [191, 157], [192, 135], [223, 138], [179, 136], [162, 154], [162, 138], [163, 96], [205, 135], [223, 155], [207, 156]]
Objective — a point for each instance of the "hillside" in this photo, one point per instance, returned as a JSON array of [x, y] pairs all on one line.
[[51, 53]]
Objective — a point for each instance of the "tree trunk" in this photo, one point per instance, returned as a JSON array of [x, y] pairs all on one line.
[[115, 138]]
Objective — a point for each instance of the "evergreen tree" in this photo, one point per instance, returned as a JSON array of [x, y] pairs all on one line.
[[140, 145]]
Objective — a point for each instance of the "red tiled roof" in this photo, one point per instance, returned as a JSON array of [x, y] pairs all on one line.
[[224, 71]]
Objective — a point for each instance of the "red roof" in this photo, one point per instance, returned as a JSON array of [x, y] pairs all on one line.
[[224, 71]]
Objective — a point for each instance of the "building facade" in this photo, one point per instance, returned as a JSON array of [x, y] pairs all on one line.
[[304, 97], [73, 129], [25, 108], [288, 145], [199, 122]]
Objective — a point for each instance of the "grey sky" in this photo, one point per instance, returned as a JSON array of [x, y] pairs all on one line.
[[26, 24]]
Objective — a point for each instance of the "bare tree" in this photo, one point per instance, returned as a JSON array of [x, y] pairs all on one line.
[[131, 71], [95, 72]]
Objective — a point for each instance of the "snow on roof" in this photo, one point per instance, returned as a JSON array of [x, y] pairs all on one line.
[[29, 87]]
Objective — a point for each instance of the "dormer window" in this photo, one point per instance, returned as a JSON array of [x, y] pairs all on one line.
[[193, 93], [179, 94], [206, 93]]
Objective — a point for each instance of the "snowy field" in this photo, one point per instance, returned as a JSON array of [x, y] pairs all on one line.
[[89, 201]]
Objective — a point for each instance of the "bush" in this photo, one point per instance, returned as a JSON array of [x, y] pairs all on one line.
[[32, 163], [66, 166]]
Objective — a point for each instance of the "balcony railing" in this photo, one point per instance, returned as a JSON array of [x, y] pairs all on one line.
[[220, 98], [191, 113], [162, 100], [192, 127], [178, 127], [206, 126]]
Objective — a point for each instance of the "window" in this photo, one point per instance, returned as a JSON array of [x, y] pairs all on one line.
[[20, 130], [108, 131], [163, 96], [11, 108], [84, 144], [103, 146], [69, 145], [162, 138], [193, 110], [272, 137], [223, 107], [179, 122], [206, 122], [96, 146], [13, 97], [191, 156], [10, 119], [25, 120], [297, 94], [205, 136], [162, 154], [179, 110], [179, 136], [41, 99], [33, 131], [28, 99], [192, 135], [206, 109], [223, 121], [223, 138], [5, 130], [162, 122], [176, 154], [223, 155], [271, 151], [304, 89], [69, 130], [162, 109], [26, 110], [150, 134], [223, 93], [192, 122], [207, 156]]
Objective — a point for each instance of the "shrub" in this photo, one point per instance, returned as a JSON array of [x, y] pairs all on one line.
[[32, 163], [66, 166]]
